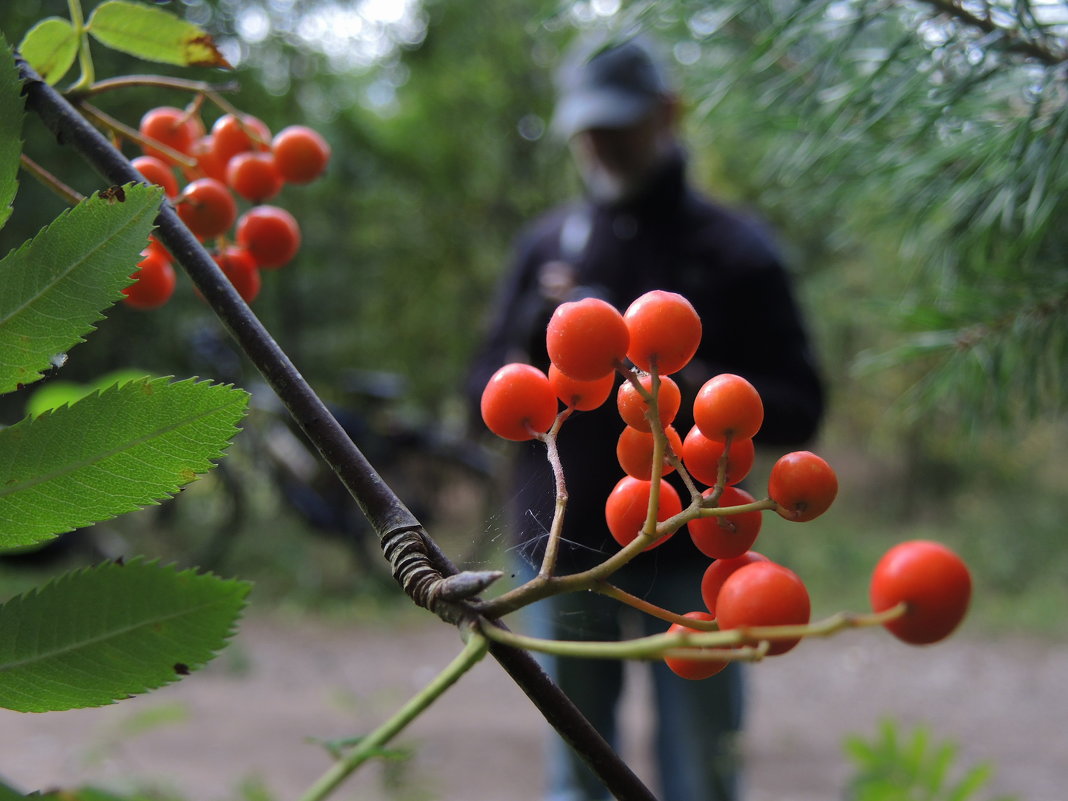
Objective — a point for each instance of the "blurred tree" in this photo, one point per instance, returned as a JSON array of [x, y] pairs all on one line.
[[923, 140]]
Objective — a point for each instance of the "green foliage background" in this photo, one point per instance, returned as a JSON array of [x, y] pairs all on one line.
[[826, 117]]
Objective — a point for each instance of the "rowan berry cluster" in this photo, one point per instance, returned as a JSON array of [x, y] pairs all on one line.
[[204, 174], [922, 588]]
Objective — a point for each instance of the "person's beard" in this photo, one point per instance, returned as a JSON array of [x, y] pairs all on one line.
[[607, 186]]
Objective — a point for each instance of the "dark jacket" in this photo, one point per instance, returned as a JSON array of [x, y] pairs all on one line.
[[669, 238]]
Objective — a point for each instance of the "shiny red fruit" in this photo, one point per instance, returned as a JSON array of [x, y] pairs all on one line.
[[586, 338], [628, 504], [931, 580], [238, 265], [803, 485], [154, 281], [665, 331], [300, 154], [764, 594], [518, 402], [694, 669], [207, 207], [271, 235], [253, 176]]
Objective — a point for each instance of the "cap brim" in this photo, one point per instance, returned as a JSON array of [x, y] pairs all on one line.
[[603, 108]]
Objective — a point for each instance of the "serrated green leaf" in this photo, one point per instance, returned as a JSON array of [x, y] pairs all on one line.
[[154, 35], [101, 634], [55, 393], [113, 452], [11, 113], [52, 289], [50, 47]]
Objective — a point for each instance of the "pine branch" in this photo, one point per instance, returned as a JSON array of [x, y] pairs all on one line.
[[1015, 40]]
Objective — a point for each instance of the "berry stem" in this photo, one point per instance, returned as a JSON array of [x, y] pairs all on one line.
[[652, 413], [120, 128], [552, 546], [69, 195], [370, 746], [764, 505], [654, 646], [612, 591], [741, 644], [152, 81]]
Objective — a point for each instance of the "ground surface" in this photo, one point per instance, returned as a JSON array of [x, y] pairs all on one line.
[[249, 717]]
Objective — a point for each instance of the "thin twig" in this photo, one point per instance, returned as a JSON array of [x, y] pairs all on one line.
[[371, 745], [69, 195]]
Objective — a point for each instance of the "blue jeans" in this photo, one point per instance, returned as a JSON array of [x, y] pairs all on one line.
[[696, 722]]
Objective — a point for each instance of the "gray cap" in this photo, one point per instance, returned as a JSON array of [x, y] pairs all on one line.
[[612, 86]]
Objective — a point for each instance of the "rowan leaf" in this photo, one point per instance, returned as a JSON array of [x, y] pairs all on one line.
[[11, 114], [50, 47], [153, 34], [101, 634], [112, 452], [53, 287]]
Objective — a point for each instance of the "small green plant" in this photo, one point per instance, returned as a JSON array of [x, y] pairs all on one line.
[[895, 766]]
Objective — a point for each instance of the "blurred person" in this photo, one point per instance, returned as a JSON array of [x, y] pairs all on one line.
[[641, 226]]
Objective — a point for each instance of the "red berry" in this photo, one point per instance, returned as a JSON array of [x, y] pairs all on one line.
[[169, 126], [253, 176], [632, 406], [665, 331], [518, 401], [693, 668], [154, 281], [271, 235], [701, 456], [731, 536], [627, 506], [300, 154], [763, 594], [584, 396], [728, 404], [209, 165], [238, 265], [717, 573], [207, 207], [803, 485], [155, 246], [586, 338], [231, 136], [933, 582], [158, 172], [634, 450]]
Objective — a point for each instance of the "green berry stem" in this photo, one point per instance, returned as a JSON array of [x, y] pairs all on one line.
[[741, 644], [763, 505], [474, 649], [659, 447]]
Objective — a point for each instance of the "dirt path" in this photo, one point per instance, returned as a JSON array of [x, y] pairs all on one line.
[[249, 716]]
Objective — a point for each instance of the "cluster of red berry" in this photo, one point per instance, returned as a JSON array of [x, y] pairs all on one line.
[[238, 157], [588, 342]]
